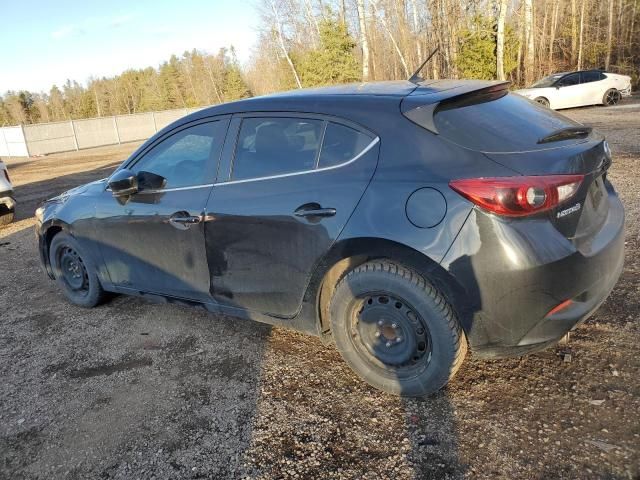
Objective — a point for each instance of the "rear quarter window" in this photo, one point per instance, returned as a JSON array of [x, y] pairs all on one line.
[[510, 123], [341, 144]]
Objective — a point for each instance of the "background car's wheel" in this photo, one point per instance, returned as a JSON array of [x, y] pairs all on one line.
[[542, 101], [395, 330], [611, 97], [75, 272], [6, 218]]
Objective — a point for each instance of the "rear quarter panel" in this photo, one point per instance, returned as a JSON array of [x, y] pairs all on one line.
[[411, 158]]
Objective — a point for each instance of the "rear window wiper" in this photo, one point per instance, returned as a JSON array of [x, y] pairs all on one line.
[[566, 134]]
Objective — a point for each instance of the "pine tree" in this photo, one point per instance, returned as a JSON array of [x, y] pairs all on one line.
[[334, 61], [235, 87], [477, 53]]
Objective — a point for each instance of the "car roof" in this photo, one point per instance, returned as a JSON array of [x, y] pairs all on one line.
[[431, 91], [579, 71]]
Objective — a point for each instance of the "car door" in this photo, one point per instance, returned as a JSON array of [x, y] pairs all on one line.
[[569, 91], [289, 183], [593, 88], [153, 240]]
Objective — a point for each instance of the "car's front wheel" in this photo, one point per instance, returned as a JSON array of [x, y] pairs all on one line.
[[6, 218], [74, 272], [611, 97], [395, 330]]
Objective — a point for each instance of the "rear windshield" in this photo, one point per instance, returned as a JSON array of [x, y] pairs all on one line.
[[510, 123]]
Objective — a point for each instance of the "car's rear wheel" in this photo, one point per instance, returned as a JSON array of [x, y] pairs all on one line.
[[395, 330], [611, 97], [542, 101], [74, 272]]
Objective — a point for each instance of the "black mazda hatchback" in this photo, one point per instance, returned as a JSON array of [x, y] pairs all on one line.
[[406, 222]]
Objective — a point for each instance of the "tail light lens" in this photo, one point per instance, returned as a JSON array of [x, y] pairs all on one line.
[[518, 196]]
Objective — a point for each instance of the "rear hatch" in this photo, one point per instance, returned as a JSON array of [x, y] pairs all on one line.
[[525, 137]]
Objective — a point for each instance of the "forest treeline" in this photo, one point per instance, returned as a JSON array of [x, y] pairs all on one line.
[[304, 43]]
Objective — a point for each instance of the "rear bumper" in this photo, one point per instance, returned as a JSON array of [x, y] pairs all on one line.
[[513, 277], [626, 92]]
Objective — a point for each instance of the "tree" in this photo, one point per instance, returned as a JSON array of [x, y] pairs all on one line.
[[502, 14], [321, 42], [235, 87], [333, 62], [529, 42], [477, 52], [280, 35], [364, 42], [392, 37], [581, 36], [607, 60]]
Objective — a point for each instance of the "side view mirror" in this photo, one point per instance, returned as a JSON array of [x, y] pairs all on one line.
[[123, 182], [150, 181]]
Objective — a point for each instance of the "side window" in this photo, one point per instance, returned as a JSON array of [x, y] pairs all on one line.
[[573, 79], [185, 158], [273, 146], [341, 144], [588, 77], [601, 76]]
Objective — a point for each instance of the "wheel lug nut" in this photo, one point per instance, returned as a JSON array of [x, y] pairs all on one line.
[[398, 339], [380, 322], [394, 325], [388, 344], [377, 334]]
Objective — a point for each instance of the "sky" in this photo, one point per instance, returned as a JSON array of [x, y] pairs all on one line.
[[46, 42]]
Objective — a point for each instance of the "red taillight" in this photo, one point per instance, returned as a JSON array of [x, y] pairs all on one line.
[[518, 196], [560, 307]]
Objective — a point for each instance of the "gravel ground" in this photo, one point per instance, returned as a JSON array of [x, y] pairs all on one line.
[[139, 390]]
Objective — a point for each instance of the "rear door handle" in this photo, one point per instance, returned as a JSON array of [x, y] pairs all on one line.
[[314, 210], [183, 221]]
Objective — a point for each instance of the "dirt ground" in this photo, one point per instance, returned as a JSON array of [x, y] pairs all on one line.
[[139, 390]]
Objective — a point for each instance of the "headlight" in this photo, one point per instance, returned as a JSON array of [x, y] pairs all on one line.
[[39, 214]]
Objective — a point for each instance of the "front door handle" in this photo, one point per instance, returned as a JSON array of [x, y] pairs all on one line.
[[183, 221], [314, 210]]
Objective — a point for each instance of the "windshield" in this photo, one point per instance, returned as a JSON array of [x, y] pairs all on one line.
[[548, 81]]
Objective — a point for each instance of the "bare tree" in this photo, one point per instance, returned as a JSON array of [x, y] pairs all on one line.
[[607, 60], [283, 47], [364, 42], [580, 40], [385, 25], [574, 32], [502, 15], [552, 33], [416, 28], [529, 41]]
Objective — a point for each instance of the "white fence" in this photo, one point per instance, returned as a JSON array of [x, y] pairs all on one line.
[[44, 138], [12, 143]]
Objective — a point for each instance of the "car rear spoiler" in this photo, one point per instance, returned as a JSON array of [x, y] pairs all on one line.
[[422, 104]]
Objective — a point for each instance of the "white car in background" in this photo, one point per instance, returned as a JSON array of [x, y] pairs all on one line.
[[577, 89], [7, 202]]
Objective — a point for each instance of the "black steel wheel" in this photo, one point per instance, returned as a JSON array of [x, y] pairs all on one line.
[[396, 330], [611, 97], [74, 272], [386, 330]]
